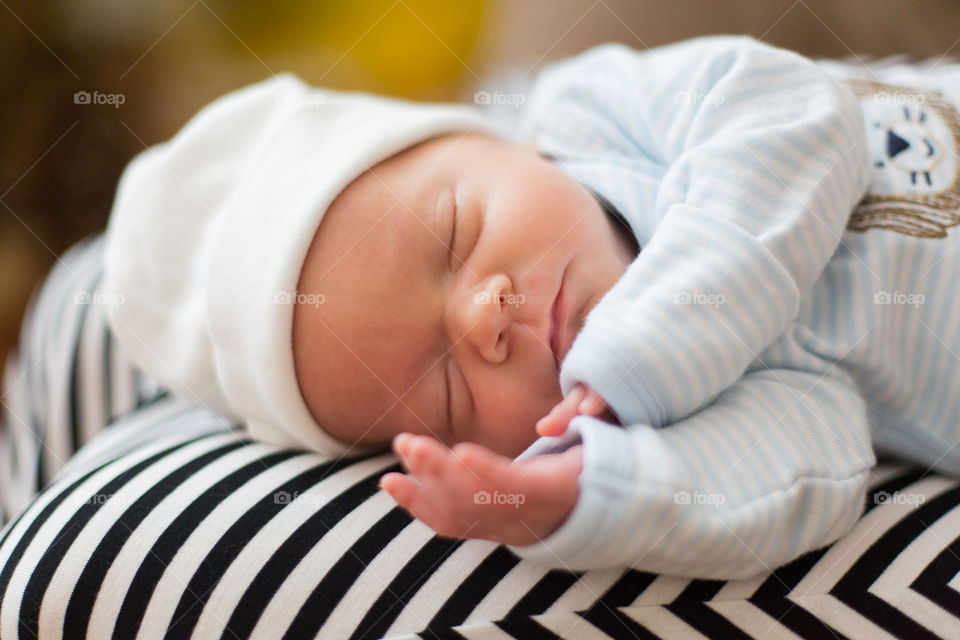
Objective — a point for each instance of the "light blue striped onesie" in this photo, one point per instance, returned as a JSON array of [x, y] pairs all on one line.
[[794, 305]]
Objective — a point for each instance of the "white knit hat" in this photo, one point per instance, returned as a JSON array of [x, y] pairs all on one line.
[[209, 232]]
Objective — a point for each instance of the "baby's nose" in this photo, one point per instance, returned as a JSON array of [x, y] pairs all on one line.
[[488, 316]]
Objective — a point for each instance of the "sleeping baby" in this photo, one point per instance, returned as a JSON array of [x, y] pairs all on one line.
[[663, 322]]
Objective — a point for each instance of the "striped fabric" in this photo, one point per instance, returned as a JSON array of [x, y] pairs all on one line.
[[170, 524], [775, 337], [737, 165]]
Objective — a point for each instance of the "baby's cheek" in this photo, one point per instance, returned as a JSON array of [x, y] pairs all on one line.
[[509, 428], [509, 399]]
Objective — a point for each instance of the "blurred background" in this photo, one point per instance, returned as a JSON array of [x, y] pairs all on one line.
[[143, 67]]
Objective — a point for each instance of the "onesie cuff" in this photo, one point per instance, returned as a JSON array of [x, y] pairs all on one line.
[[608, 467], [592, 361]]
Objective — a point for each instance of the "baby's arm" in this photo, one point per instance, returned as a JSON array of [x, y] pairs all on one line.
[[777, 466], [747, 161]]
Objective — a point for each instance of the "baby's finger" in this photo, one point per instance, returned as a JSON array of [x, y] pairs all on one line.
[[496, 472], [555, 422], [400, 443], [424, 454], [483, 462], [415, 500], [443, 475], [592, 404], [550, 425], [400, 487]]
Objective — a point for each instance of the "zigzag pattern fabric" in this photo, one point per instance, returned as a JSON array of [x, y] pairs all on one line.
[[169, 523]]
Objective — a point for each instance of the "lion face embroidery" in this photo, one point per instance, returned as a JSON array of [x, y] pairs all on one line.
[[912, 136]]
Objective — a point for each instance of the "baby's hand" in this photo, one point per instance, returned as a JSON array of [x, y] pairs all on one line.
[[581, 400], [471, 492]]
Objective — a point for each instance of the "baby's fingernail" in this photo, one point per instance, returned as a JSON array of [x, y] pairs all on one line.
[[590, 405], [400, 443]]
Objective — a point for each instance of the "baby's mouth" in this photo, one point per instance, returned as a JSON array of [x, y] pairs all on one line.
[[559, 329]]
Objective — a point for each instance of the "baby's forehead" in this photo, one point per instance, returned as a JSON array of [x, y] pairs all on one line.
[[421, 172], [386, 221]]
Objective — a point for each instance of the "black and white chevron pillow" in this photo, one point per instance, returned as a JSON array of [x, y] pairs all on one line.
[[168, 523]]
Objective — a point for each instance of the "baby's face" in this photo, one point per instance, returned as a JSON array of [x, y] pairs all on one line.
[[439, 268]]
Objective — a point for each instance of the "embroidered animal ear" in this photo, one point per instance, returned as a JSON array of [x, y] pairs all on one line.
[[913, 135], [920, 222]]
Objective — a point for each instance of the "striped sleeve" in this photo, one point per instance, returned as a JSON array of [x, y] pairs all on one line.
[[776, 466], [757, 157]]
